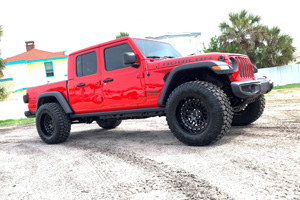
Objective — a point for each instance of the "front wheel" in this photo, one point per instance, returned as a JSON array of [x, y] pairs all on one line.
[[198, 113], [250, 113], [52, 123]]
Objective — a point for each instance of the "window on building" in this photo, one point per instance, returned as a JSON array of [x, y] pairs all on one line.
[[295, 59], [114, 57], [86, 64], [49, 69]]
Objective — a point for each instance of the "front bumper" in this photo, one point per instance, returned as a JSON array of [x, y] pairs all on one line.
[[251, 88]]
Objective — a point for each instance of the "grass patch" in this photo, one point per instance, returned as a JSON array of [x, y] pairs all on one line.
[[295, 85], [16, 122], [269, 95]]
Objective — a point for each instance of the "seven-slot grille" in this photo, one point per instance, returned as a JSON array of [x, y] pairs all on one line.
[[245, 67]]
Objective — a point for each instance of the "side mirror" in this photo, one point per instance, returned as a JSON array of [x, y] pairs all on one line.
[[129, 58]]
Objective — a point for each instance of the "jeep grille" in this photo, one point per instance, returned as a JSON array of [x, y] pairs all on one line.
[[244, 66]]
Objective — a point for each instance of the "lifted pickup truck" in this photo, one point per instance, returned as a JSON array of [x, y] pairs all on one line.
[[201, 95]]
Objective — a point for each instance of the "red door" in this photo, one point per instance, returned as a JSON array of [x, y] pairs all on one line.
[[86, 94], [123, 85]]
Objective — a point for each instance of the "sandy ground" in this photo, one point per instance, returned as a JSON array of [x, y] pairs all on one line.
[[142, 160]]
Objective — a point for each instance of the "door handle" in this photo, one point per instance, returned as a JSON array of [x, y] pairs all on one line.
[[81, 85], [108, 80]]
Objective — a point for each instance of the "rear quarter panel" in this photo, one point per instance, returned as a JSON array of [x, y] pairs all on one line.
[[34, 92]]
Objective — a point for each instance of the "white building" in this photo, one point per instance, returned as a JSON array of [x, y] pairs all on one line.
[[186, 42]]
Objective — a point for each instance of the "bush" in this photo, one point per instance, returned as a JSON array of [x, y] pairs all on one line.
[[3, 94]]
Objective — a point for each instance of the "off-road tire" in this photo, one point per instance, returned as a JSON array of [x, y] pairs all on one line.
[[250, 114], [52, 123], [198, 113], [108, 123]]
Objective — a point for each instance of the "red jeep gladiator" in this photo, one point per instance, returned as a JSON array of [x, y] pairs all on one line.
[[200, 95]]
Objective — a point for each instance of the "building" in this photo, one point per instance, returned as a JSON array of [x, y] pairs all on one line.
[[32, 68], [296, 58], [186, 43]]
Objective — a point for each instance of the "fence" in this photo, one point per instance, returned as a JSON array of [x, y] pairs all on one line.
[[282, 75], [13, 109]]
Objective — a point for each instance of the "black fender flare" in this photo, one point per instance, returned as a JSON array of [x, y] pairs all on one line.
[[60, 99], [171, 78]]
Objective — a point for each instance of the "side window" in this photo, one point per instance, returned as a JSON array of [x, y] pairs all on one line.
[[86, 64], [114, 56], [49, 69]]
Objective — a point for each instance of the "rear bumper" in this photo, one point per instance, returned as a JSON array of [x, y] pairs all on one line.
[[251, 88], [29, 114]]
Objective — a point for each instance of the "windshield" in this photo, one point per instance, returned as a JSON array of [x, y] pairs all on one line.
[[153, 49]]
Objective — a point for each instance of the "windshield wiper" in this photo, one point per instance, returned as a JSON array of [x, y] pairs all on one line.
[[169, 57], [153, 57]]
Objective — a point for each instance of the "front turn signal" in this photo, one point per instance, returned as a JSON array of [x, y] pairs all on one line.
[[216, 67], [221, 67]]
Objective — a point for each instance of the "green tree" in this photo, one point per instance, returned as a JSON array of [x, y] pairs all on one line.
[[215, 46], [244, 30], [2, 66], [266, 47], [122, 34], [3, 94], [277, 51]]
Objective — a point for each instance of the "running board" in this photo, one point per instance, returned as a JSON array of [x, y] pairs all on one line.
[[124, 114]]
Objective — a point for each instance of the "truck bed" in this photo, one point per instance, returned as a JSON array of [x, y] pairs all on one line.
[[35, 91]]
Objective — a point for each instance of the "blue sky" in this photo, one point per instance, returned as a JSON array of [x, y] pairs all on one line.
[[59, 25]]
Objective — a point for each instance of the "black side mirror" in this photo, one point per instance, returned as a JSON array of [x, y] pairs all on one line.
[[129, 58]]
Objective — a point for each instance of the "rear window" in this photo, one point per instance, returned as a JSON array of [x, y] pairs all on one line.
[[86, 64]]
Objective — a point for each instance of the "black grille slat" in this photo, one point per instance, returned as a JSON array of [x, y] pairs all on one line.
[[239, 66], [244, 68], [248, 69]]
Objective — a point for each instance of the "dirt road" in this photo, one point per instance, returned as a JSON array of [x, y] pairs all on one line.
[[142, 160]]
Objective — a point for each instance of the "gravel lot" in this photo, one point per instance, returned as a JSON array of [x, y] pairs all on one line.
[[142, 160]]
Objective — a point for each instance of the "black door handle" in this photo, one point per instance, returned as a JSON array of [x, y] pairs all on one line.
[[80, 85], [108, 80]]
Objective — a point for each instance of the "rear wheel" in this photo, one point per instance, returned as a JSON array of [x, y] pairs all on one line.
[[250, 113], [198, 113], [108, 123], [52, 123]]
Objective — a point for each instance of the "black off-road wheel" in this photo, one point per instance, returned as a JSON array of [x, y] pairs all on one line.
[[52, 123], [250, 113], [198, 113], [108, 123]]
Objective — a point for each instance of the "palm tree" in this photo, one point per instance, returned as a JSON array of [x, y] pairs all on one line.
[[122, 34], [283, 45], [278, 49], [245, 31]]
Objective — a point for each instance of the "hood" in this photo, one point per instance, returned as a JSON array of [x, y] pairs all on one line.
[[191, 59]]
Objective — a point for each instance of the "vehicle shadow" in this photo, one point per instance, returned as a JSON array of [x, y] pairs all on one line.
[[123, 137]]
